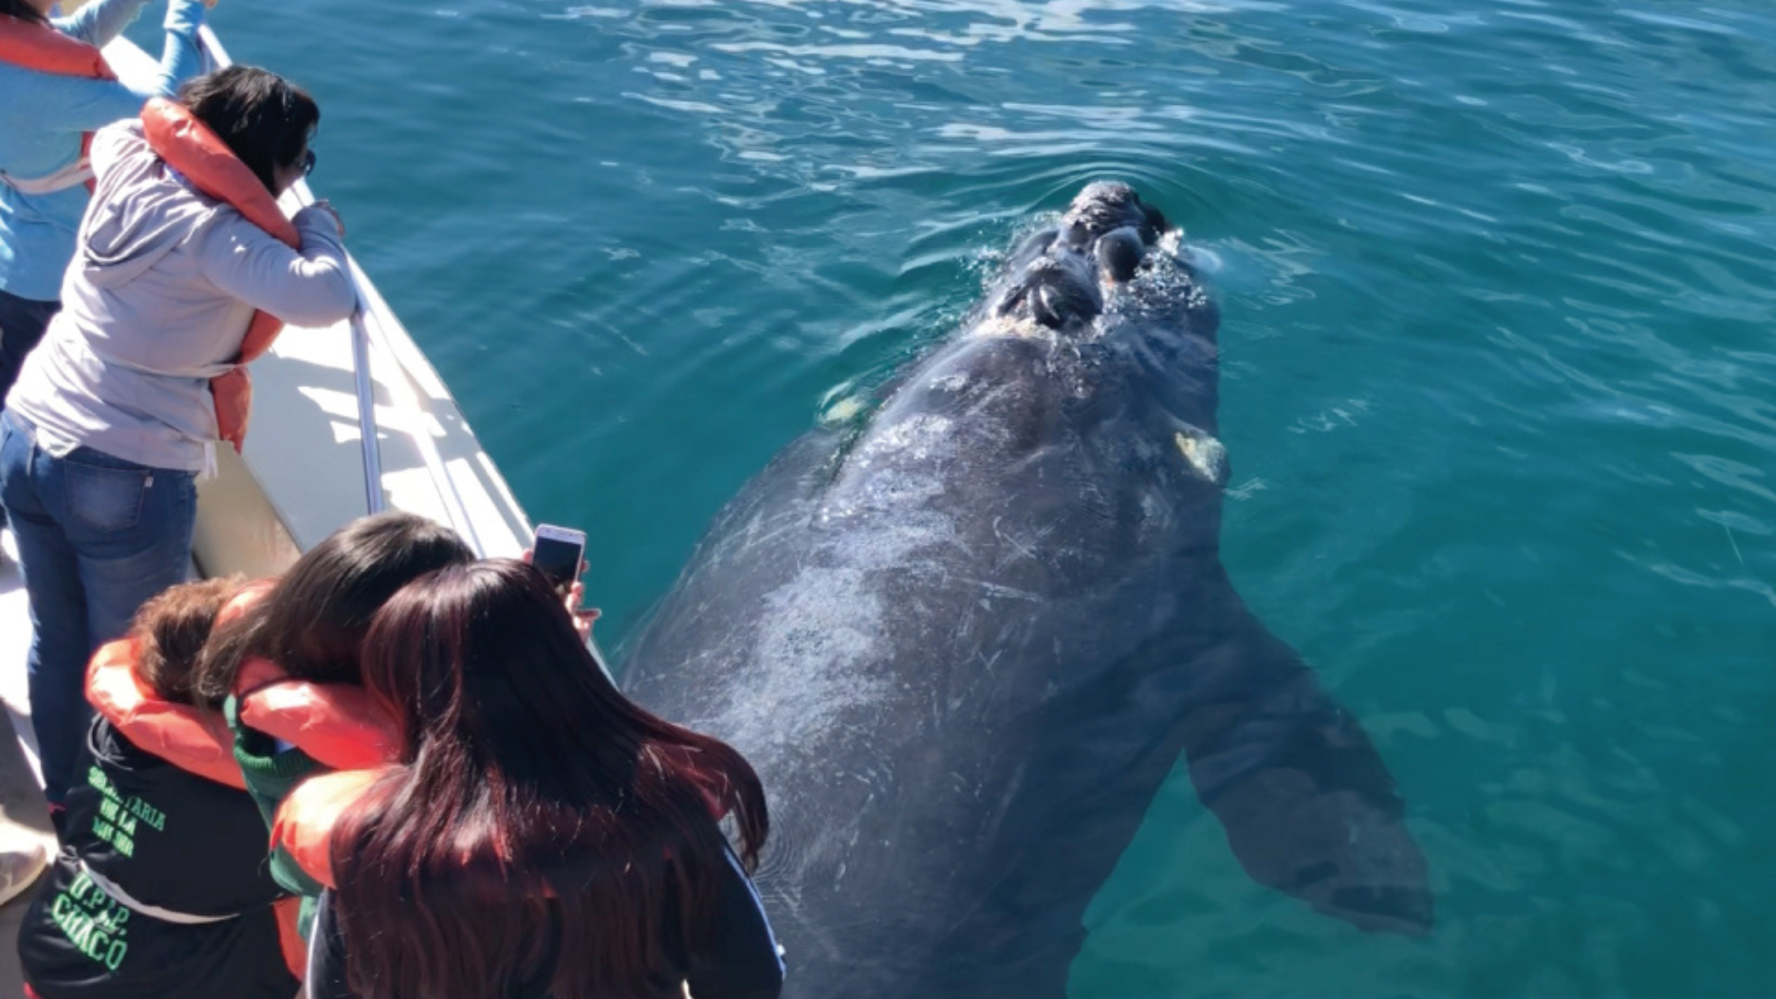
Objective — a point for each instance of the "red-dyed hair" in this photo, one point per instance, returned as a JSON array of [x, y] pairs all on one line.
[[544, 834]]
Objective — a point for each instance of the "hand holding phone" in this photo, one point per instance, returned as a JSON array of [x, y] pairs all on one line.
[[558, 553]]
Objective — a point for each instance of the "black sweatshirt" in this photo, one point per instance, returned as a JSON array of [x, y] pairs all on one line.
[[171, 840], [744, 964]]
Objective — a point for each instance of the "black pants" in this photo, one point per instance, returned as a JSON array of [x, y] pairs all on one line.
[[22, 322]]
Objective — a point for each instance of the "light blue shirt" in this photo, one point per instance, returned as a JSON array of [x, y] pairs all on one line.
[[42, 119]]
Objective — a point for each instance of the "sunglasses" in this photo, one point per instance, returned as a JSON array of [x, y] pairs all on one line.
[[308, 162]]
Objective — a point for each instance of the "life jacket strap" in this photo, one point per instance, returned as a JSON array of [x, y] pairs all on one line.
[[123, 898], [73, 175]]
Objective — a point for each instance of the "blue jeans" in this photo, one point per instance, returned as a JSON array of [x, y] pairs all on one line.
[[97, 536]]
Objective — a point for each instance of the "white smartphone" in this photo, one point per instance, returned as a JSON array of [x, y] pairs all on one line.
[[557, 552]]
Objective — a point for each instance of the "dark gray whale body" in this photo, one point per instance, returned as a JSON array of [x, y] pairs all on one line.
[[965, 649]]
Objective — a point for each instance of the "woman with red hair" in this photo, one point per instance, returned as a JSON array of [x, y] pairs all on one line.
[[543, 837]]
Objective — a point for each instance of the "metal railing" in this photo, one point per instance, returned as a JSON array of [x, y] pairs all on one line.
[[375, 500]]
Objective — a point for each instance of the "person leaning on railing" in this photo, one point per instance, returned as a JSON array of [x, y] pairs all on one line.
[[184, 270], [55, 90]]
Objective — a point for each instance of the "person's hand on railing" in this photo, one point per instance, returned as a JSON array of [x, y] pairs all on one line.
[[327, 206]]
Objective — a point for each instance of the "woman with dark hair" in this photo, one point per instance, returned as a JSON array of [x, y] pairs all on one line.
[[55, 90], [186, 269], [162, 889], [286, 675], [542, 835]]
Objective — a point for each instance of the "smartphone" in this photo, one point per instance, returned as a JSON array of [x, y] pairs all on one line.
[[557, 552]]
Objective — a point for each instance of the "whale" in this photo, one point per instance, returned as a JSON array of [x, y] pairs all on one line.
[[965, 640]]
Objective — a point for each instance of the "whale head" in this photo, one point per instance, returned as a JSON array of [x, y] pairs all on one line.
[[1107, 296], [1066, 276]]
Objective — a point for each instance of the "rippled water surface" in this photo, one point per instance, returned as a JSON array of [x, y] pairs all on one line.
[[1497, 285]]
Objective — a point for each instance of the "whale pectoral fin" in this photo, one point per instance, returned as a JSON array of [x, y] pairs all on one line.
[[1307, 803]]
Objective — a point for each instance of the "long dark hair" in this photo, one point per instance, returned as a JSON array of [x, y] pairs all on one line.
[[22, 10], [313, 621], [265, 119], [544, 833]]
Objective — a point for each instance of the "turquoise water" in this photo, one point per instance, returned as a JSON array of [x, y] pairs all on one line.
[[1497, 296]]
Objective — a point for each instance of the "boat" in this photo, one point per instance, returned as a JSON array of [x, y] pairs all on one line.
[[347, 420]]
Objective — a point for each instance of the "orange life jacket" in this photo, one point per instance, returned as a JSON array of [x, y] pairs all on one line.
[[340, 725], [36, 46], [305, 821], [190, 147], [192, 740]]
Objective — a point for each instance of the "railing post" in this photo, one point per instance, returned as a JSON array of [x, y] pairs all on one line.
[[375, 501]]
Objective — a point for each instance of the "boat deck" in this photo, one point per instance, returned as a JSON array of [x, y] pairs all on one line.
[[22, 812]]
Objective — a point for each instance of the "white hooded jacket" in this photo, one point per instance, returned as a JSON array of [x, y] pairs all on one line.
[[157, 302]]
